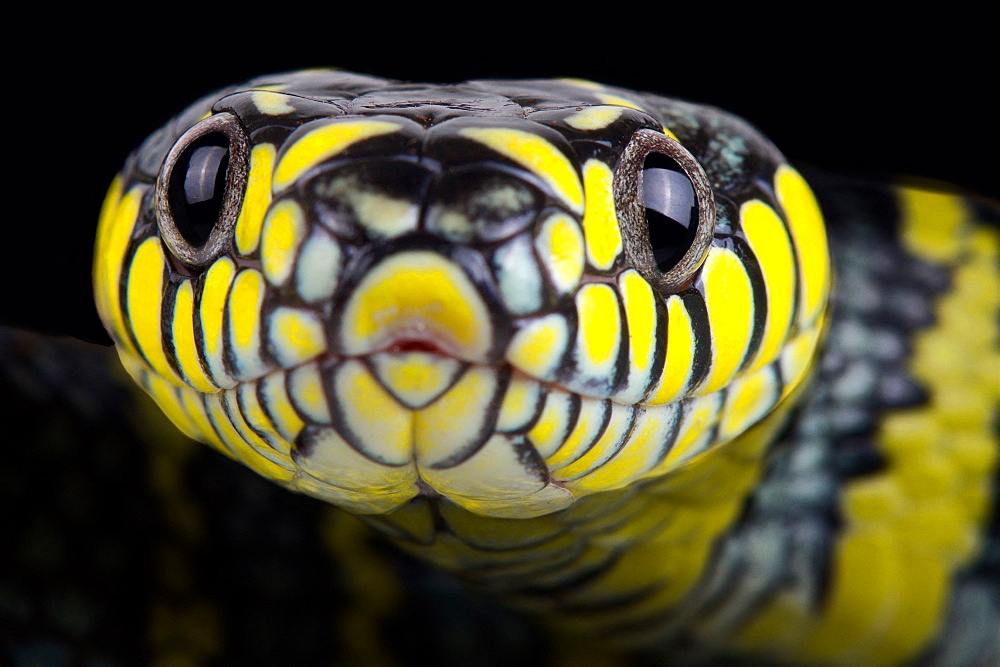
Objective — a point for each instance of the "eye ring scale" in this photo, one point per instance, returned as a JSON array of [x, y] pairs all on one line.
[[628, 201], [235, 160]]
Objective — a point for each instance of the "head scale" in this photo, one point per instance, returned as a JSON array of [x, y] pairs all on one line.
[[510, 294]]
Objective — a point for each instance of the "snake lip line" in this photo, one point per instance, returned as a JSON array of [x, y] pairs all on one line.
[[407, 346], [403, 345]]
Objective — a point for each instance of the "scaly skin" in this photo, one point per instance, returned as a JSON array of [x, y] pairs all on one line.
[[445, 318]]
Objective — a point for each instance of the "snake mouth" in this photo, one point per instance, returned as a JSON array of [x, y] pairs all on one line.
[[405, 345], [369, 432]]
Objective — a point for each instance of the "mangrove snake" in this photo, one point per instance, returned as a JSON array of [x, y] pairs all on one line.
[[576, 346]]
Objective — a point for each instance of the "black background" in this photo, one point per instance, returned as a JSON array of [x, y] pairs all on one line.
[[881, 99]]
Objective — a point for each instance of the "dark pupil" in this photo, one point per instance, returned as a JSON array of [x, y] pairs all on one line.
[[671, 210], [198, 186]]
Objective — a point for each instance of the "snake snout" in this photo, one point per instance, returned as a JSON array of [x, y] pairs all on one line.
[[418, 300]]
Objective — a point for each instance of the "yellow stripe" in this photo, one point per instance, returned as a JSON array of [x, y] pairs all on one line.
[[194, 405], [549, 432], [748, 399], [809, 234], [729, 301], [606, 446], [324, 142], [211, 313], [680, 355], [535, 154], [144, 300], [699, 418], [641, 452], [256, 199], [259, 421], [772, 247], [168, 397], [911, 528], [866, 581], [639, 304], [585, 431], [118, 215], [185, 346], [601, 230], [600, 329], [253, 440], [237, 445], [243, 310], [560, 247]]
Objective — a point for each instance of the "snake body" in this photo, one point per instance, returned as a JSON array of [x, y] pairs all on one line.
[[576, 345]]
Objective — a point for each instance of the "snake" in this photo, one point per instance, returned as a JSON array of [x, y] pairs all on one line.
[[612, 379]]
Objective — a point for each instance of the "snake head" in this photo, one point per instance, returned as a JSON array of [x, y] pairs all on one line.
[[504, 294]]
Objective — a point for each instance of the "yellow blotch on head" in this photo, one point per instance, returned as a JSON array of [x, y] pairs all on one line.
[[296, 335], [306, 389], [324, 142], [272, 103], [445, 428], [561, 250], [594, 118], [284, 230], [535, 154]]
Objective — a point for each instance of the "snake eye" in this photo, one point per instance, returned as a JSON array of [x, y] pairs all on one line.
[[667, 209], [200, 189]]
